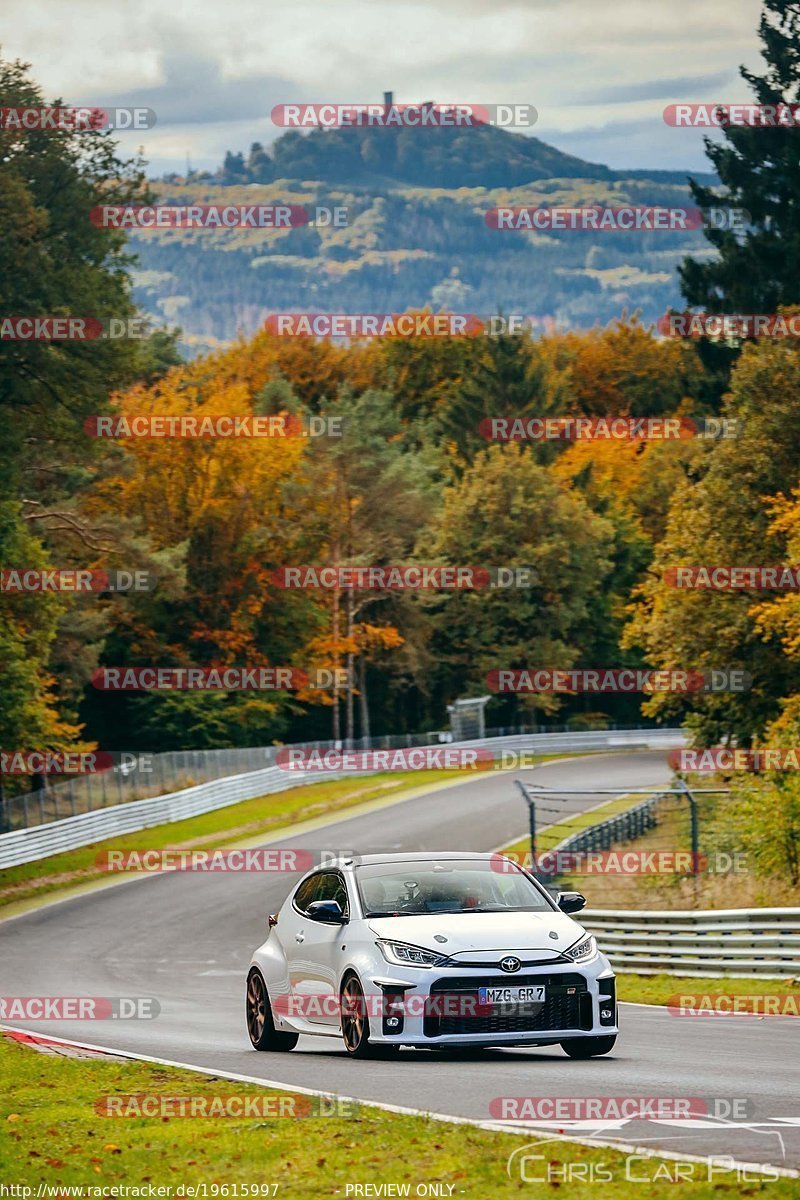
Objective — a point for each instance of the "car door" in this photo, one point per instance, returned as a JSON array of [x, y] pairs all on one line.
[[314, 947]]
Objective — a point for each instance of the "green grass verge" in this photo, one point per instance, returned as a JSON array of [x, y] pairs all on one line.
[[51, 1133], [660, 989]]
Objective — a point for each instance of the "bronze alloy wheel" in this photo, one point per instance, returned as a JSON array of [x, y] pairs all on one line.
[[355, 1023], [260, 1025], [256, 1007]]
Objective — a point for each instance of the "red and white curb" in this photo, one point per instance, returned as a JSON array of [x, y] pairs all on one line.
[[56, 1047]]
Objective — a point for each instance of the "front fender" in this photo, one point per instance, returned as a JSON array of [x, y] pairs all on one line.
[[271, 962]]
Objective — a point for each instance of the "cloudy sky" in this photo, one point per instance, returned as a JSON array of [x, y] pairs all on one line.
[[599, 74]]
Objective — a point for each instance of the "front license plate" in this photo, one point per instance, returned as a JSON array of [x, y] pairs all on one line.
[[511, 995]]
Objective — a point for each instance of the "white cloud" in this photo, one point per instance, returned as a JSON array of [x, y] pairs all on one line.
[[212, 71]]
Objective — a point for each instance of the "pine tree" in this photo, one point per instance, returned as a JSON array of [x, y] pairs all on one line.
[[759, 169]]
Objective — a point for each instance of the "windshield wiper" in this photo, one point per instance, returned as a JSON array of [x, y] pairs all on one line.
[[393, 913]]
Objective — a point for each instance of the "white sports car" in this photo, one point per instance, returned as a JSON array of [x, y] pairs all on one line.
[[434, 950]]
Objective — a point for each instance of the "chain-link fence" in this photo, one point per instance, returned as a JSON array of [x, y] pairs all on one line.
[[664, 849], [138, 776]]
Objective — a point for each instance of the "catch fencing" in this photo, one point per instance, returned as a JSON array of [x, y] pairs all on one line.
[[137, 776], [54, 836], [624, 827]]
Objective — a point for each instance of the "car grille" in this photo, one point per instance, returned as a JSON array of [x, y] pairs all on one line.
[[568, 1005]]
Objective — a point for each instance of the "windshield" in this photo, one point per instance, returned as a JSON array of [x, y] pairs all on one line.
[[452, 886]]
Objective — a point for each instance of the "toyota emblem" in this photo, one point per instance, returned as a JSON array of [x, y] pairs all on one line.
[[510, 964]]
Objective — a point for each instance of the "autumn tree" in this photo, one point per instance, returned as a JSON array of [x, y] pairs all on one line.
[[373, 494], [726, 515], [220, 515], [508, 510], [54, 261]]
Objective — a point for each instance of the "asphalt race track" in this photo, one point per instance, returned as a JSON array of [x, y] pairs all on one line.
[[186, 939]]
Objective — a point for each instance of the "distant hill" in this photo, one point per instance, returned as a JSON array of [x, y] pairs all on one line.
[[478, 156], [416, 234]]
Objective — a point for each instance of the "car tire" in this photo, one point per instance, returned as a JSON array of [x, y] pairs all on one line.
[[260, 1024], [588, 1047], [355, 1022]]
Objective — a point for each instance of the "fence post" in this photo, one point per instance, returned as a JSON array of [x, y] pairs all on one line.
[[531, 819], [693, 825]]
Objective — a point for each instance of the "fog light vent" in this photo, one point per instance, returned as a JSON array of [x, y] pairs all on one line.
[[393, 1012]]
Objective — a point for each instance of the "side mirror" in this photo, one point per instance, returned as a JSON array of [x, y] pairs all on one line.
[[272, 920], [570, 902], [329, 912]]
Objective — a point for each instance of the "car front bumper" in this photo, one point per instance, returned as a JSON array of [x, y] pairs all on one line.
[[440, 1006]]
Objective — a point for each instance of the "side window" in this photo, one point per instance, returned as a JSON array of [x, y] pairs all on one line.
[[307, 892], [332, 887]]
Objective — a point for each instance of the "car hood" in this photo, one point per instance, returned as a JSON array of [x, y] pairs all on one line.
[[469, 933]]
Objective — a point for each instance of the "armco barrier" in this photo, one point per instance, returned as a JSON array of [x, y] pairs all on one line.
[[142, 776], [728, 941], [41, 841]]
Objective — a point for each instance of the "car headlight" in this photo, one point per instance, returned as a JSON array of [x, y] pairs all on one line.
[[409, 956], [583, 950]]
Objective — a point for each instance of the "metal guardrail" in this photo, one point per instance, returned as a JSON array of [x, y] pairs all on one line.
[[132, 777], [41, 841], [730, 941], [137, 776]]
